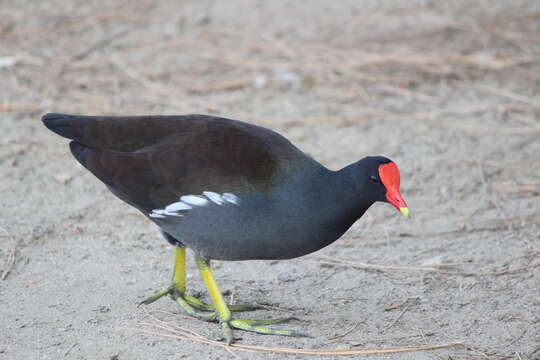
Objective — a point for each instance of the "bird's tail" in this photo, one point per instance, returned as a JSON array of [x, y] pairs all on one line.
[[61, 124]]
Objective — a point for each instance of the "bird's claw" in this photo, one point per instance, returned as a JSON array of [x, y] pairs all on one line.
[[254, 326]]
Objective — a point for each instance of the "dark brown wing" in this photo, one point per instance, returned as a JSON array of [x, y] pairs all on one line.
[[150, 161]]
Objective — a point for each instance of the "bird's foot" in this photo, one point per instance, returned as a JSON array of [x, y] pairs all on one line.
[[255, 326], [156, 296], [191, 304], [197, 303], [185, 302]]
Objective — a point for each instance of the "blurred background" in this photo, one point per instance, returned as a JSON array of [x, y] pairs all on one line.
[[449, 90]]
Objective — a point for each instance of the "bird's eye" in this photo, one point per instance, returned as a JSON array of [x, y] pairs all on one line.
[[373, 179]]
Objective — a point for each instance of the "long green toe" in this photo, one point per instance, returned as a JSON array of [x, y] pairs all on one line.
[[197, 303], [181, 300], [194, 302], [254, 326], [156, 296], [185, 302]]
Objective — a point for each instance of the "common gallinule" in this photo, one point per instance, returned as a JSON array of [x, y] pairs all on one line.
[[228, 190]]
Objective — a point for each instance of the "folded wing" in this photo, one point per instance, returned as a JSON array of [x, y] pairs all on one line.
[[150, 161]]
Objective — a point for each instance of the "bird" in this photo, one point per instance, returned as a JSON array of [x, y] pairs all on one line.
[[227, 190]]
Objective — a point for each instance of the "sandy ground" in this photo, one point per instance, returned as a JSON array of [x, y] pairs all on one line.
[[449, 90]]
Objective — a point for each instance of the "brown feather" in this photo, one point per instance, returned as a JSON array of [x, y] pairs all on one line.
[[150, 161]]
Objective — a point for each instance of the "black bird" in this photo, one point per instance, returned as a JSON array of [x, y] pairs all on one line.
[[228, 190]]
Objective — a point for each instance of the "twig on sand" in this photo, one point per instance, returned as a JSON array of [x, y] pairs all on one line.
[[509, 95], [69, 349], [387, 268], [100, 44], [9, 263], [166, 330], [490, 195], [223, 86], [397, 306], [10, 260], [175, 332], [401, 91], [348, 331], [517, 187], [407, 304], [427, 268], [509, 271]]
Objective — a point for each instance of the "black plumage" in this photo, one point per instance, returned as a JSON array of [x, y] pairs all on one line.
[[226, 189]]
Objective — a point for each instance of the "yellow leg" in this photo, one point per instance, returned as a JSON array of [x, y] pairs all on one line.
[[179, 275], [178, 280], [224, 313], [215, 294], [178, 289]]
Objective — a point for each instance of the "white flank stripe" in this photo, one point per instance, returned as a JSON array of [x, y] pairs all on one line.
[[231, 198], [170, 213], [188, 201], [194, 200], [178, 206], [156, 215], [214, 197]]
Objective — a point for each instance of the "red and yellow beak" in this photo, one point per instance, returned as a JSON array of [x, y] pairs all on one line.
[[389, 175]]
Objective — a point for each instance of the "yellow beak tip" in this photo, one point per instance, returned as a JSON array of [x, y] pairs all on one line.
[[404, 211]]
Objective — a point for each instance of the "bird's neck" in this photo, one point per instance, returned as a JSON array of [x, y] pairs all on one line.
[[326, 202], [336, 200], [351, 201]]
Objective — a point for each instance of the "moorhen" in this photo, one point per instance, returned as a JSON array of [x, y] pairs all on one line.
[[228, 190]]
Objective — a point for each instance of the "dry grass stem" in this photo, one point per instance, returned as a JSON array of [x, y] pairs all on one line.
[[183, 334], [347, 332], [11, 255], [421, 268], [407, 304], [510, 95]]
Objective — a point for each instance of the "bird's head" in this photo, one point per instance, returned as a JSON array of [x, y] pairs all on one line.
[[381, 177]]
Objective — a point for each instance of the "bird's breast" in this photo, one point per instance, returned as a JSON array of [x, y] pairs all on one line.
[[254, 226]]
